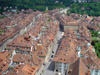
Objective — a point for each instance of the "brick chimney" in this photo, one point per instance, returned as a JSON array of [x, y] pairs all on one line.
[[88, 72]]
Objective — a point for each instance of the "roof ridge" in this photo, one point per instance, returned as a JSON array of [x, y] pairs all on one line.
[[95, 62]]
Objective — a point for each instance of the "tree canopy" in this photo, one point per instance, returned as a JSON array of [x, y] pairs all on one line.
[[92, 9], [33, 4]]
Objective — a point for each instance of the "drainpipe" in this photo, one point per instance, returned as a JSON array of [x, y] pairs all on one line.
[[31, 48], [12, 57]]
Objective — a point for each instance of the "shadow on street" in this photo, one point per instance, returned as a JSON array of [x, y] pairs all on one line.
[[51, 66]]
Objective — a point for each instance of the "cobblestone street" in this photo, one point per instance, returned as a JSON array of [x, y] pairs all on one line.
[[49, 67]]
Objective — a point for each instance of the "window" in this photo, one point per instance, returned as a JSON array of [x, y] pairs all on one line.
[[64, 59], [64, 66], [64, 69], [28, 51], [56, 65], [42, 70], [96, 70]]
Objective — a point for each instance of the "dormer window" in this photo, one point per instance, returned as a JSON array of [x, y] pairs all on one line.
[[13, 43], [61, 59], [1, 60], [0, 70], [4, 64], [95, 66], [19, 65], [33, 68], [64, 59], [17, 68]]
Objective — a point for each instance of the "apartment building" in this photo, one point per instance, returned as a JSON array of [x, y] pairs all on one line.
[[76, 56], [5, 61], [18, 24], [31, 50], [68, 22]]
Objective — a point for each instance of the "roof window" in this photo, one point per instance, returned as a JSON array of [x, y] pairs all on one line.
[[0, 70], [60, 58], [64, 59]]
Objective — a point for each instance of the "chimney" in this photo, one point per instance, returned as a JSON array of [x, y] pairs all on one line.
[[42, 51], [78, 48], [21, 57], [88, 73], [88, 45]]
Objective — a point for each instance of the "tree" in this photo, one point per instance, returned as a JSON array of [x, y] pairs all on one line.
[[96, 33]]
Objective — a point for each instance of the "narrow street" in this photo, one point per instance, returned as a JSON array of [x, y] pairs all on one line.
[[49, 67]]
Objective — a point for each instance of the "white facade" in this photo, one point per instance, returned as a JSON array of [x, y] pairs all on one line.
[[95, 72], [61, 67], [64, 11]]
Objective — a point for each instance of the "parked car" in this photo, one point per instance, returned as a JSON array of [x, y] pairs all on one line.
[[52, 56], [44, 64], [50, 60], [52, 51]]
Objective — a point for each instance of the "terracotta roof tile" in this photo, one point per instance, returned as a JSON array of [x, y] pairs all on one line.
[[21, 58], [4, 61]]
